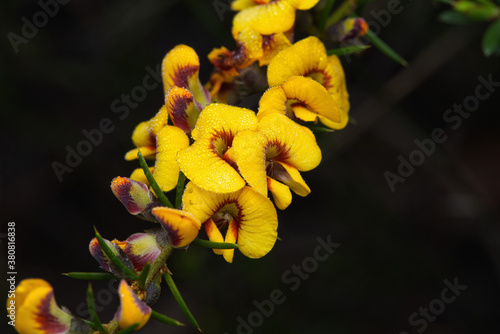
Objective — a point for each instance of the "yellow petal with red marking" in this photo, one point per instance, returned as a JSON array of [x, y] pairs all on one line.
[[159, 121], [182, 227], [254, 214], [180, 68], [249, 149], [213, 234], [281, 193], [313, 96], [170, 141], [275, 17], [131, 310], [218, 118], [290, 176], [203, 165], [182, 109], [305, 57], [289, 142], [272, 101], [231, 237], [35, 309]]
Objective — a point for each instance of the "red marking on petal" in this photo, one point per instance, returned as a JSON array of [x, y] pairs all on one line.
[[178, 106], [182, 74], [46, 320]]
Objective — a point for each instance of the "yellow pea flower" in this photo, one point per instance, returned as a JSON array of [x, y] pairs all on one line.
[[36, 311], [246, 217], [277, 151], [131, 310], [205, 162], [308, 58]]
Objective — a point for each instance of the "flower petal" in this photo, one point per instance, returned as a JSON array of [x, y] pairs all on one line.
[[249, 149], [139, 176], [182, 227], [289, 142], [142, 248], [290, 176], [170, 141], [281, 193], [180, 68], [181, 108], [148, 152], [131, 309], [302, 58], [141, 135], [272, 101], [36, 310], [313, 95], [135, 196], [157, 123], [202, 164], [213, 234], [231, 237], [254, 214]]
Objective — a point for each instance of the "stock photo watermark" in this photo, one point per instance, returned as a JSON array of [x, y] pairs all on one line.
[[94, 137], [436, 307], [453, 117], [293, 279], [40, 19], [11, 272]]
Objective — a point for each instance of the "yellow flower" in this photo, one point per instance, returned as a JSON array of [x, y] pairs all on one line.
[[267, 17], [308, 58], [131, 310], [36, 311], [277, 151], [246, 217], [181, 226], [205, 162], [300, 98]]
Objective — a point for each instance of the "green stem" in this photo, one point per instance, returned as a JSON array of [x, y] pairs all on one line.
[[180, 190], [158, 263], [156, 188], [214, 245], [180, 301]]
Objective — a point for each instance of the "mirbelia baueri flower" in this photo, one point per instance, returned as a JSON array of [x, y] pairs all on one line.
[[231, 157]]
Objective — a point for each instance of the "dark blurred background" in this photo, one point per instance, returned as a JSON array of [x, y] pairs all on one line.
[[396, 247]]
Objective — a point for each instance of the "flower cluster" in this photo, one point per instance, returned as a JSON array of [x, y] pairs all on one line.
[[241, 164]]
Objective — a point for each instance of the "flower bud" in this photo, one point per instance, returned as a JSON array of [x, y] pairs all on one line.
[[134, 195], [182, 227]]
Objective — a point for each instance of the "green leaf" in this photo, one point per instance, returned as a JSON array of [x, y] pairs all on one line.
[[129, 329], [96, 323], [180, 190], [89, 276], [341, 12], [166, 320], [347, 50], [386, 49], [116, 261], [144, 276], [216, 245], [453, 17], [491, 39], [159, 193], [180, 301]]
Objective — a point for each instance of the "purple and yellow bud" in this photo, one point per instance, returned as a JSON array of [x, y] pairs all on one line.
[[131, 310], [35, 309], [182, 227], [141, 248], [134, 195], [104, 261], [353, 28], [182, 108]]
